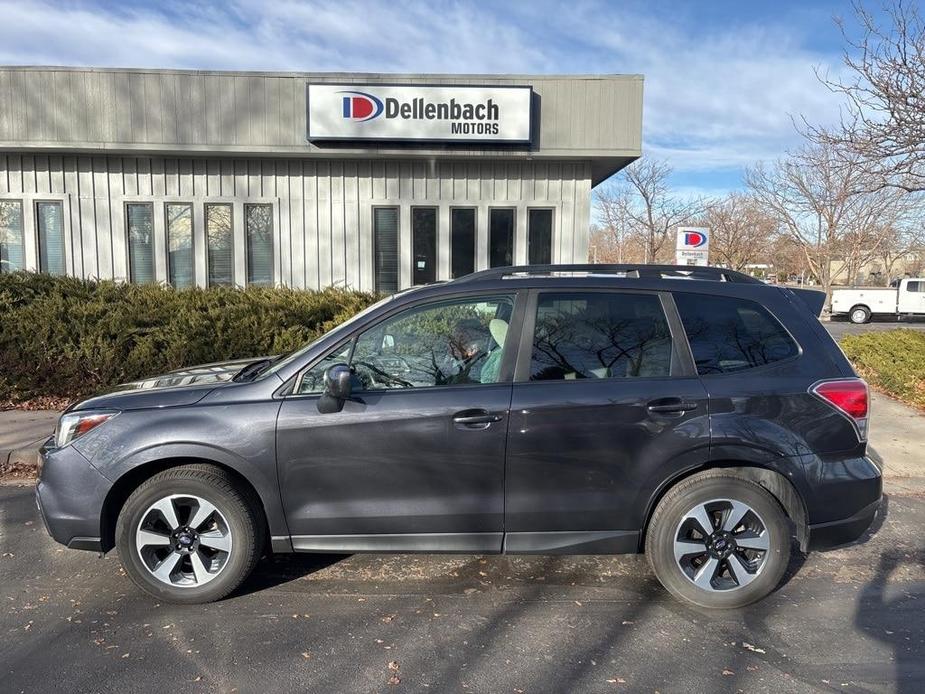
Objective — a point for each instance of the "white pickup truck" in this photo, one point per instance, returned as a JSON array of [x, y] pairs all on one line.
[[902, 298]]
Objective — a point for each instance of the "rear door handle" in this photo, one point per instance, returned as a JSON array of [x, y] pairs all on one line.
[[476, 419], [671, 406]]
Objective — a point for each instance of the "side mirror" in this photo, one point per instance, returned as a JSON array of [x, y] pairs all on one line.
[[337, 389]]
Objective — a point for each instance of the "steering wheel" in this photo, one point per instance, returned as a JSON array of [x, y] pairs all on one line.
[[384, 370]]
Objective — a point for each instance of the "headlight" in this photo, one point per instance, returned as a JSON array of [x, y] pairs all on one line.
[[73, 425]]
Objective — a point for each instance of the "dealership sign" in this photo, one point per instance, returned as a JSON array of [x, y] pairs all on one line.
[[693, 246], [372, 112]]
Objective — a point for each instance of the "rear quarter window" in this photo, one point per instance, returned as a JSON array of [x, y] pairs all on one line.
[[728, 334]]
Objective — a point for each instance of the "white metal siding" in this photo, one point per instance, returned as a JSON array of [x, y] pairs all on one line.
[[323, 220]]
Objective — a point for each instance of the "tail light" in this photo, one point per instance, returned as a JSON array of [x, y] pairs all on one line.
[[850, 397]]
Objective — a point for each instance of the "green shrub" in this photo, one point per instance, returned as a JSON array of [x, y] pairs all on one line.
[[66, 337], [893, 360]]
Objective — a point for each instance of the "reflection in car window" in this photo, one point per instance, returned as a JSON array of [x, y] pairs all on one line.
[[453, 343], [728, 334], [312, 380], [600, 335]]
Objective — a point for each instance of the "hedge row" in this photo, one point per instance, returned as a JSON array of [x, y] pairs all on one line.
[[893, 361], [68, 338]]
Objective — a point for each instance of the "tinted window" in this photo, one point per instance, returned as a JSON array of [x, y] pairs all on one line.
[[915, 286], [424, 244], [599, 335], [500, 237], [140, 221], [539, 237], [445, 344], [462, 236], [385, 233], [728, 334], [180, 244]]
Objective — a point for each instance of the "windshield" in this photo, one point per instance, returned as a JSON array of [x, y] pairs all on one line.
[[289, 358]]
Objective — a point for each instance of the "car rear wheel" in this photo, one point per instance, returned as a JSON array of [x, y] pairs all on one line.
[[718, 541], [189, 535], [859, 314]]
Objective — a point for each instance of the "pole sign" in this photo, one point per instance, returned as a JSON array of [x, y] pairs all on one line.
[[693, 246], [411, 113]]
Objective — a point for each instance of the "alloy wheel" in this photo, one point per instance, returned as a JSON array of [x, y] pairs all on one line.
[[721, 545], [183, 540]]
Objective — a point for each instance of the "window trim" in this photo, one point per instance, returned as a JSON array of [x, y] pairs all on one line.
[[128, 242], [206, 204], [475, 236], [273, 229], [192, 207], [513, 209], [375, 244], [65, 232], [22, 233], [436, 210], [506, 373], [681, 365], [552, 231]]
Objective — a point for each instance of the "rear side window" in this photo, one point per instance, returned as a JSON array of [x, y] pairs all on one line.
[[599, 335], [727, 334]]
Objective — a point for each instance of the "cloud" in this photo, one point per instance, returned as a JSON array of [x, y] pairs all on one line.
[[718, 95]]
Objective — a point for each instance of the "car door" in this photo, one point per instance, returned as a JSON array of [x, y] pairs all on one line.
[[415, 460], [605, 407]]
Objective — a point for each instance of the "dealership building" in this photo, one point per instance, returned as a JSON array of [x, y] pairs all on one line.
[[370, 181]]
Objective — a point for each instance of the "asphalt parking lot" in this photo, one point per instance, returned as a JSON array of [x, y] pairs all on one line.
[[841, 327]]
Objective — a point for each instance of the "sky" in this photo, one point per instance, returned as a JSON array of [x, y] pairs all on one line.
[[726, 83]]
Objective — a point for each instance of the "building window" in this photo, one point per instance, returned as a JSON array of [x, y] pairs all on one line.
[[500, 237], [539, 236], [179, 244], [220, 235], [462, 241], [140, 225], [424, 245], [12, 244], [50, 223], [385, 235], [258, 223]]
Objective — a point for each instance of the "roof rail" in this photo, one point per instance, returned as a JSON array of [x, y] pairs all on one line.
[[641, 271]]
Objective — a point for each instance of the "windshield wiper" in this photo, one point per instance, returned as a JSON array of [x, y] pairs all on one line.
[[252, 370]]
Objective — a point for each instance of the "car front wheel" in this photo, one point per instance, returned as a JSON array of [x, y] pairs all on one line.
[[718, 541], [189, 535]]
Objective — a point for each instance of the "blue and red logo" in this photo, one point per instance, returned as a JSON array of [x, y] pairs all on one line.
[[360, 106], [694, 239]]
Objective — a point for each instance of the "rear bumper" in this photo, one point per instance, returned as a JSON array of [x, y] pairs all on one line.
[[70, 495], [848, 496]]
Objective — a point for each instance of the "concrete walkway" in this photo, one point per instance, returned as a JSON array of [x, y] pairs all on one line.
[[897, 434]]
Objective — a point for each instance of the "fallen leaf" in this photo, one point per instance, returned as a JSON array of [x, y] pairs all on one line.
[[727, 672], [394, 679], [752, 648], [393, 665]]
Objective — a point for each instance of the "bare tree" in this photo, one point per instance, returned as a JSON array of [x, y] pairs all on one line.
[[822, 199], [640, 208], [742, 230], [883, 128]]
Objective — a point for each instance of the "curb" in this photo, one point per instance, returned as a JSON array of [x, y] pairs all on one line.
[[20, 461]]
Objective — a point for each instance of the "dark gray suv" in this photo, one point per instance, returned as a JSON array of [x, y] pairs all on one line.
[[694, 414]]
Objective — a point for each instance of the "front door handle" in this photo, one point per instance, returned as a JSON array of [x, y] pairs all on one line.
[[671, 406], [476, 419]]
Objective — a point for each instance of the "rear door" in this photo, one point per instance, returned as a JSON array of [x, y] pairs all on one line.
[[605, 405]]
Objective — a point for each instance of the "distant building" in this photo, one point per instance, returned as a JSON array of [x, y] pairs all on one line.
[[371, 181]]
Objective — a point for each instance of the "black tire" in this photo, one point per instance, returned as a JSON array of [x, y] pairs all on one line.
[[859, 315], [702, 488], [239, 508]]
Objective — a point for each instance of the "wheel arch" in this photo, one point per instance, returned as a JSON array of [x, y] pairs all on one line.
[[776, 483], [123, 487]]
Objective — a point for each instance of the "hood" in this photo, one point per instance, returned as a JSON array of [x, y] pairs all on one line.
[[185, 386]]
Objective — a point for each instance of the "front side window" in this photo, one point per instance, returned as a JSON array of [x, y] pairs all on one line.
[[12, 244], [727, 334], [312, 379], [140, 225], [179, 244], [915, 286], [453, 343], [50, 224], [599, 335], [258, 224], [220, 235]]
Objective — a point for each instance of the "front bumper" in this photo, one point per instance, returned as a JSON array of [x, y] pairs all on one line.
[[70, 494]]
